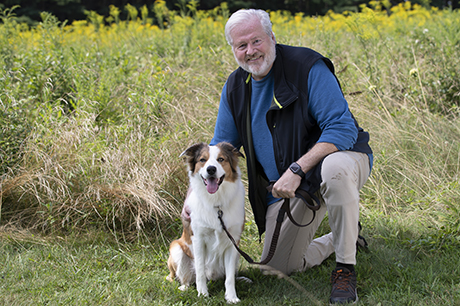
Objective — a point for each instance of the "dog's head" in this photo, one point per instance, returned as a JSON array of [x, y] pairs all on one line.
[[214, 164]]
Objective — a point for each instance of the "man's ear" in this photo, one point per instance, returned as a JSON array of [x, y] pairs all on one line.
[[273, 37]]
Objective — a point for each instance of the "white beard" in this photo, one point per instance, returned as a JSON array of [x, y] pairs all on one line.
[[264, 68]]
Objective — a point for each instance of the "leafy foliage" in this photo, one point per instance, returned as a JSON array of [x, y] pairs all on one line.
[[71, 10]]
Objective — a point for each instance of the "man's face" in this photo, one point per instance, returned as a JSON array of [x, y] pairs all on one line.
[[254, 50]]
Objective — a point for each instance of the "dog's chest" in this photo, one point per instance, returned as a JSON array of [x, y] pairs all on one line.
[[215, 240]]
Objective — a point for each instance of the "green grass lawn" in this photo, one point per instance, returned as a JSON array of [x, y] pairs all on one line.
[[93, 269]]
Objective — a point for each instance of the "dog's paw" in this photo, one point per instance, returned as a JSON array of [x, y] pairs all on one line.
[[203, 293], [202, 288], [244, 279], [183, 287], [232, 300]]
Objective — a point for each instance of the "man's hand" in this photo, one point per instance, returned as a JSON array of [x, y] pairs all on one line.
[[286, 186], [185, 214], [288, 183]]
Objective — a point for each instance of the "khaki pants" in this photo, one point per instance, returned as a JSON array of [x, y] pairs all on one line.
[[344, 174]]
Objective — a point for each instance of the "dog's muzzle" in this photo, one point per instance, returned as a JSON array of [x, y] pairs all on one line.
[[212, 182]]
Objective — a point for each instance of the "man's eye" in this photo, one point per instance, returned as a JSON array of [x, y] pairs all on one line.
[[242, 46]]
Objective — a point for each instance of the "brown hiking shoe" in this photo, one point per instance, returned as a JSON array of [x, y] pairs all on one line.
[[343, 287]]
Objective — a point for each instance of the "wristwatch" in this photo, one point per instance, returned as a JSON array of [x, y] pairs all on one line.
[[295, 167]]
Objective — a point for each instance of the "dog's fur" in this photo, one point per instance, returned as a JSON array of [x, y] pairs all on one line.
[[204, 252]]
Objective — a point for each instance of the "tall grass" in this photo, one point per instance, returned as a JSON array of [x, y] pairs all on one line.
[[106, 124], [95, 115]]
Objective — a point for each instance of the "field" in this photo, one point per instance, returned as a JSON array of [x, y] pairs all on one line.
[[95, 114]]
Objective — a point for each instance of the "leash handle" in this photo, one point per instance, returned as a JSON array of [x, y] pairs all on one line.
[[305, 197], [301, 194]]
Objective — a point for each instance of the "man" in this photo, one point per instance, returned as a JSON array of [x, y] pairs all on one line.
[[284, 105]]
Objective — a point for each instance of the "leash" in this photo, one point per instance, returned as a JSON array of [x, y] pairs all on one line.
[[285, 209]]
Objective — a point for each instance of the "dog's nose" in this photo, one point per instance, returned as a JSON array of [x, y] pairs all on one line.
[[211, 170]]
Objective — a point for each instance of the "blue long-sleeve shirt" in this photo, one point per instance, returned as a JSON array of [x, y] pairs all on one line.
[[326, 105]]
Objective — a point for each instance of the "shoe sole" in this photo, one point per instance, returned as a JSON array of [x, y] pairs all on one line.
[[349, 303]]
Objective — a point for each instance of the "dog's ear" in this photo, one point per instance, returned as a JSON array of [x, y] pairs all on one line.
[[190, 154], [238, 153], [230, 148], [192, 150], [232, 154]]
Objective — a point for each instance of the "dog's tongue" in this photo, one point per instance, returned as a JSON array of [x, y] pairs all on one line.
[[212, 185]]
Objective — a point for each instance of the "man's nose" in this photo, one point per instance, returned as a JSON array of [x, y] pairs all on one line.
[[250, 50]]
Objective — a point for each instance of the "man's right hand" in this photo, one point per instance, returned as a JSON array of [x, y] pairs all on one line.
[[185, 214]]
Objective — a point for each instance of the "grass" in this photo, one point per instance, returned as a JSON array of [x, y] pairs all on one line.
[[77, 271], [94, 118], [93, 269]]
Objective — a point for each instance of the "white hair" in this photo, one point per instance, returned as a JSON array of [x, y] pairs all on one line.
[[242, 16]]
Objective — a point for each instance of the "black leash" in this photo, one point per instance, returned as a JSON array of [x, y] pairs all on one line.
[[285, 209]]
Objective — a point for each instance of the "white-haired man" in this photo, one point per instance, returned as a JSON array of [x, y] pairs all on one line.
[[284, 105]]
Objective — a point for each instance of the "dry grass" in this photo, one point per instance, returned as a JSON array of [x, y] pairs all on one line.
[[124, 185]]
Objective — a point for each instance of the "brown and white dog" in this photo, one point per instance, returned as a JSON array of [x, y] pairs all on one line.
[[204, 252]]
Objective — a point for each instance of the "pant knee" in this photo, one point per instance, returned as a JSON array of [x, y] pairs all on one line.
[[340, 181]]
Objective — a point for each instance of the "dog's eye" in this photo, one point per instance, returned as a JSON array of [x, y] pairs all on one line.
[[203, 160], [220, 159]]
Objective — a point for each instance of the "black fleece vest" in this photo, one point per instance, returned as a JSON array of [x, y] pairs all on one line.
[[294, 131]]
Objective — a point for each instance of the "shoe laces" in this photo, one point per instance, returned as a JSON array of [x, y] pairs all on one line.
[[341, 280]]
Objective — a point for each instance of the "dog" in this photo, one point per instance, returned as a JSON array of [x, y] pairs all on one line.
[[204, 252]]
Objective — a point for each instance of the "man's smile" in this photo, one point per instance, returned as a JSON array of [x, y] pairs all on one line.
[[253, 59]]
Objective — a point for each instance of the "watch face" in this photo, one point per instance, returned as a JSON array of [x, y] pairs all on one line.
[[296, 169]]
